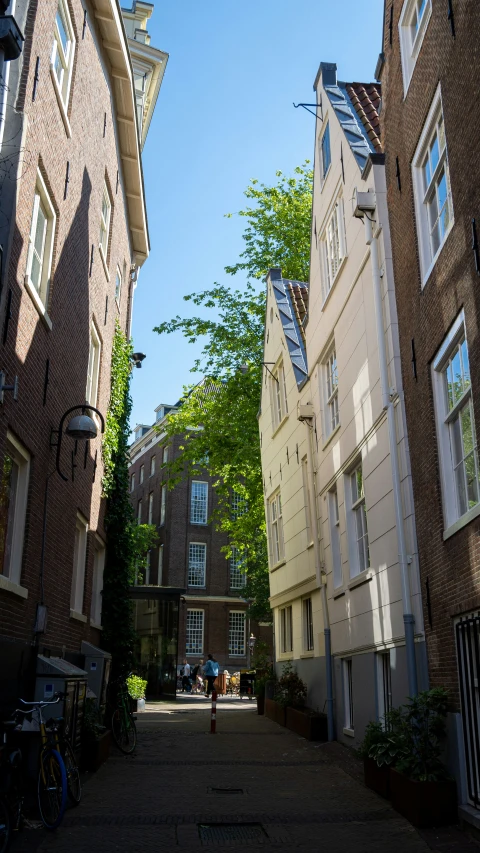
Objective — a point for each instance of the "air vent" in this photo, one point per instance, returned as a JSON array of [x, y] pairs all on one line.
[[222, 833]]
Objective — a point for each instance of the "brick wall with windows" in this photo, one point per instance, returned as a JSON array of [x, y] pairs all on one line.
[[433, 174], [56, 296]]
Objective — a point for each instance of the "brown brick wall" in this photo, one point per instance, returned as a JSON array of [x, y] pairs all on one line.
[[452, 567]]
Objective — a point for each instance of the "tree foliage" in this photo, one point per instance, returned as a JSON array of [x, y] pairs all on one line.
[[218, 417]]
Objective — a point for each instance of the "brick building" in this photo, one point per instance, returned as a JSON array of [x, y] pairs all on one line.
[[430, 118], [189, 556], [74, 234]]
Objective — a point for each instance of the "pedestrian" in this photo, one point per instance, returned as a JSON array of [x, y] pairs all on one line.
[[210, 671], [186, 683], [197, 677]]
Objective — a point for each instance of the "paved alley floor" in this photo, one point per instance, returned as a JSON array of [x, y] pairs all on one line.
[[252, 784]]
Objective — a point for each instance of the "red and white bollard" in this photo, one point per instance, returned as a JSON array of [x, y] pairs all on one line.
[[213, 722]]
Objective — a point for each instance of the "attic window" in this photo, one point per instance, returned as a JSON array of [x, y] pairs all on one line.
[[412, 27], [325, 153]]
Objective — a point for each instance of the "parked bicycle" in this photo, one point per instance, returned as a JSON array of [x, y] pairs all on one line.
[[11, 788], [124, 730]]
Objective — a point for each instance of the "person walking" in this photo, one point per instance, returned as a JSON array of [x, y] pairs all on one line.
[[197, 677], [210, 670], [186, 685]]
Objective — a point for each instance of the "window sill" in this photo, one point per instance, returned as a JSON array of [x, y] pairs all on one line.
[[435, 259], [196, 587], [348, 732], [278, 565], [14, 588], [63, 112], [278, 428], [331, 437], [337, 593], [307, 655], [37, 302], [78, 616], [96, 625], [237, 656], [340, 268], [104, 262], [461, 522], [359, 580]]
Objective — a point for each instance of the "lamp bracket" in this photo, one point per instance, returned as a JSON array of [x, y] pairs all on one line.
[[4, 387]]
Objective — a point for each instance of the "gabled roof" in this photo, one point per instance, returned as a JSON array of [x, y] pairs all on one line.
[[366, 98], [292, 301]]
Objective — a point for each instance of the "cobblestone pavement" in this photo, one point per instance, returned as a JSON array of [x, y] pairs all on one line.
[[253, 784]]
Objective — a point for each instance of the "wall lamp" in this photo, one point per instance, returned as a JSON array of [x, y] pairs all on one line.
[[137, 358], [244, 368]]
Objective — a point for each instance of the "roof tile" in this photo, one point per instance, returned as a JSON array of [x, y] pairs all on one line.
[[366, 98]]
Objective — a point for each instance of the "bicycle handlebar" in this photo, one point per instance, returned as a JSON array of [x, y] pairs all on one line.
[[55, 701]]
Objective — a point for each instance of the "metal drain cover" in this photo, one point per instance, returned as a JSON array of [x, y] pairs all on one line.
[[219, 833], [225, 790]]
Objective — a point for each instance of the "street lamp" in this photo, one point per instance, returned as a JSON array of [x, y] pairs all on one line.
[[251, 646]]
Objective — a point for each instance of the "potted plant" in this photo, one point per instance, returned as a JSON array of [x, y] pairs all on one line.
[[290, 691], [307, 723], [136, 687], [379, 750], [260, 693], [96, 738]]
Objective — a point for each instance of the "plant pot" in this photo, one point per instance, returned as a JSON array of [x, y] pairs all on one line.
[[307, 723], [136, 705], [377, 778], [95, 752], [276, 712], [261, 704], [424, 803]]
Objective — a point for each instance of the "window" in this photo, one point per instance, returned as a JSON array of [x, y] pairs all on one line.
[[160, 565], [97, 583], [307, 625], [306, 498], [148, 560], [456, 425], [165, 455], [93, 370], [150, 508], [238, 577], [79, 558], [275, 529], [360, 557], [63, 51], [332, 248], [332, 417], [152, 466], [335, 538], [412, 25], [197, 559], [15, 473], [105, 222], [139, 512], [348, 694], [132, 483], [236, 634], [194, 633], [40, 245], [286, 629], [163, 504], [384, 680], [432, 191], [238, 505], [118, 285], [278, 396], [325, 155], [142, 472], [198, 503]]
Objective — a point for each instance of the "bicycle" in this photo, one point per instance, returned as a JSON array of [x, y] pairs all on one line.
[[11, 790], [124, 730]]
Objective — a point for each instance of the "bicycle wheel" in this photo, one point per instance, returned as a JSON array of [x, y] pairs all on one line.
[[124, 730], [5, 829], [74, 786], [52, 788]]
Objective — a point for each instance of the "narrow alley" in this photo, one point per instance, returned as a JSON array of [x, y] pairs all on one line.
[[252, 784]]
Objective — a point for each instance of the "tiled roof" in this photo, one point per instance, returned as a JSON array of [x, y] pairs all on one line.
[[299, 296], [365, 98]]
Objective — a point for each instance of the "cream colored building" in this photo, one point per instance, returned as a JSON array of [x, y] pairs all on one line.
[[338, 490]]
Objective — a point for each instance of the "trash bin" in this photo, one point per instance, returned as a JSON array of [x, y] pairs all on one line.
[[56, 675]]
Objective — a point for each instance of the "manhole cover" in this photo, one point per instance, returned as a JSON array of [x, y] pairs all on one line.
[[219, 833], [225, 790]]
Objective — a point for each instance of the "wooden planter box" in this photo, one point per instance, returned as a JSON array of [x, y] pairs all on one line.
[[275, 712], [261, 704], [96, 752], [424, 803], [377, 778], [307, 723]]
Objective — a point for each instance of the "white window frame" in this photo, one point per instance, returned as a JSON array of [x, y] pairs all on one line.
[[132, 482], [63, 78], [332, 247], [142, 474], [348, 699], [163, 503], [445, 420], [278, 396], [118, 286], [97, 582], [105, 224], [335, 539], [275, 528], [21, 458], [384, 684], [165, 455], [423, 195], [197, 569], [192, 648], [160, 566], [199, 503], [307, 618], [286, 629], [236, 634], [330, 392], [152, 466], [306, 498], [93, 370], [148, 561], [139, 512], [359, 550], [238, 577], [150, 508], [79, 564], [324, 170], [410, 43], [40, 292]]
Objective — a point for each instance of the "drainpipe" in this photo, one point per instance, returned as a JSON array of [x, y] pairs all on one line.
[[307, 418], [387, 401]]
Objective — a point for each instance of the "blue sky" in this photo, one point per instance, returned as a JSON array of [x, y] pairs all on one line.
[[224, 115]]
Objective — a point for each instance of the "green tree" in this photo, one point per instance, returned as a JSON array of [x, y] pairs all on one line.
[[218, 417]]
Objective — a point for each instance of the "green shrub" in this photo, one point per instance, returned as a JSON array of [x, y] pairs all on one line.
[[136, 687], [290, 690]]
